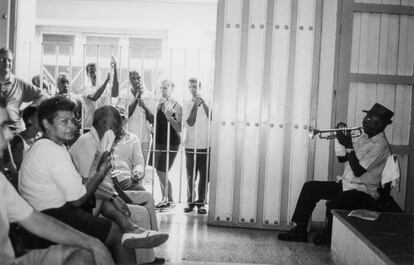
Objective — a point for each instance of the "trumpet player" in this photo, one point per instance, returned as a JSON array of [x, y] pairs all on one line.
[[357, 187]]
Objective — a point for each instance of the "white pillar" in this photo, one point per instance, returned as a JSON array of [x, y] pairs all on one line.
[[25, 37]]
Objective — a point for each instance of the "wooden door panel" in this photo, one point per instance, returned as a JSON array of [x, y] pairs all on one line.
[[376, 65]]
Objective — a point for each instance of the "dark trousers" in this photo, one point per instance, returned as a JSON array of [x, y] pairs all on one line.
[[313, 191], [201, 156]]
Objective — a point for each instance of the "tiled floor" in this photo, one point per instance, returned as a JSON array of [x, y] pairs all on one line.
[[193, 242]]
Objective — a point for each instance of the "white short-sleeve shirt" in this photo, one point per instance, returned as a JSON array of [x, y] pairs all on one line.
[[48, 178], [137, 123], [12, 209], [372, 154], [196, 136]]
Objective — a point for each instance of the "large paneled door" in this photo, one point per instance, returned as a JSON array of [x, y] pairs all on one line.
[[376, 65], [263, 91]]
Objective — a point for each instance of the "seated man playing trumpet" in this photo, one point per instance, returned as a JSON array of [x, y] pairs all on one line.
[[357, 187]]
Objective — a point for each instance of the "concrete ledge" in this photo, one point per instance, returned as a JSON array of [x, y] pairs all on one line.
[[389, 240]]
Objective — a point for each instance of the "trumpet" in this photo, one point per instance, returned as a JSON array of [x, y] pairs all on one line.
[[330, 134]]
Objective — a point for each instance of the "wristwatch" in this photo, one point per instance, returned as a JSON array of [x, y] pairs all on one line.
[[349, 150], [114, 195]]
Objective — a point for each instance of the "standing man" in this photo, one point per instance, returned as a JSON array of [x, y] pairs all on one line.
[[15, 90], [93, 92], [77, 248], [357, 188], [139, 104], [197, 147]]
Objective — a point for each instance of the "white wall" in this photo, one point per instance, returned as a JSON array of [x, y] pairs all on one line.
[[187, 22], [25, 35]]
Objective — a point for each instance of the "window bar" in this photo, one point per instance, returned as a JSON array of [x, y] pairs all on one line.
[[83, 69], [41, 67], [98, 48], [142, 79], [152, 142], [30, 60], [155, 124], [168, 133], [209, 132], [56, 62], [183, 120], [195, 147], [70, 63], [120, 49]]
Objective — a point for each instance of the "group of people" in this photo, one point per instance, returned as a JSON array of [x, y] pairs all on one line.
[[157, 124], [70, 175], [76, 158]]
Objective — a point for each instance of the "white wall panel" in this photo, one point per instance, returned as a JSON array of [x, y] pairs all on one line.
[[277, 111], [226, 122], [406, 44], [301, 100], [356, 36], [252, 110], [387, 63]]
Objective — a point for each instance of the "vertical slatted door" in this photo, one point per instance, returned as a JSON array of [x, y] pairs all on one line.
[[276, 108], [376, 65], [224, 128], [301, 101], [249, 119], [264, 81]]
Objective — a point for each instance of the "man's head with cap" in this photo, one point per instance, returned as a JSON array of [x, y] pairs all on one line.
[[376, 119]]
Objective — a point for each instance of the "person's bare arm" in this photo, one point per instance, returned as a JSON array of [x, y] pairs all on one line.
[[193, 113], [56, 231], [115, 83], [98, 93], [95, 180]]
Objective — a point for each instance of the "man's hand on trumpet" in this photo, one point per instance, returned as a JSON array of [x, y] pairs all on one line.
[[344, 137]]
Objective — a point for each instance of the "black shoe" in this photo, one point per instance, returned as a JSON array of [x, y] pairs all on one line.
[[157, 260], [169, 205], [293, 235], [201, 210], [189, 208], [163, 205], [321, 239]]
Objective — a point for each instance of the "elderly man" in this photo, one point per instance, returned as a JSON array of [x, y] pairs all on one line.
[[76, 248], [129, 164], [93, 92], [358, 186], [15, 90], [51, 183], [126, 148]]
